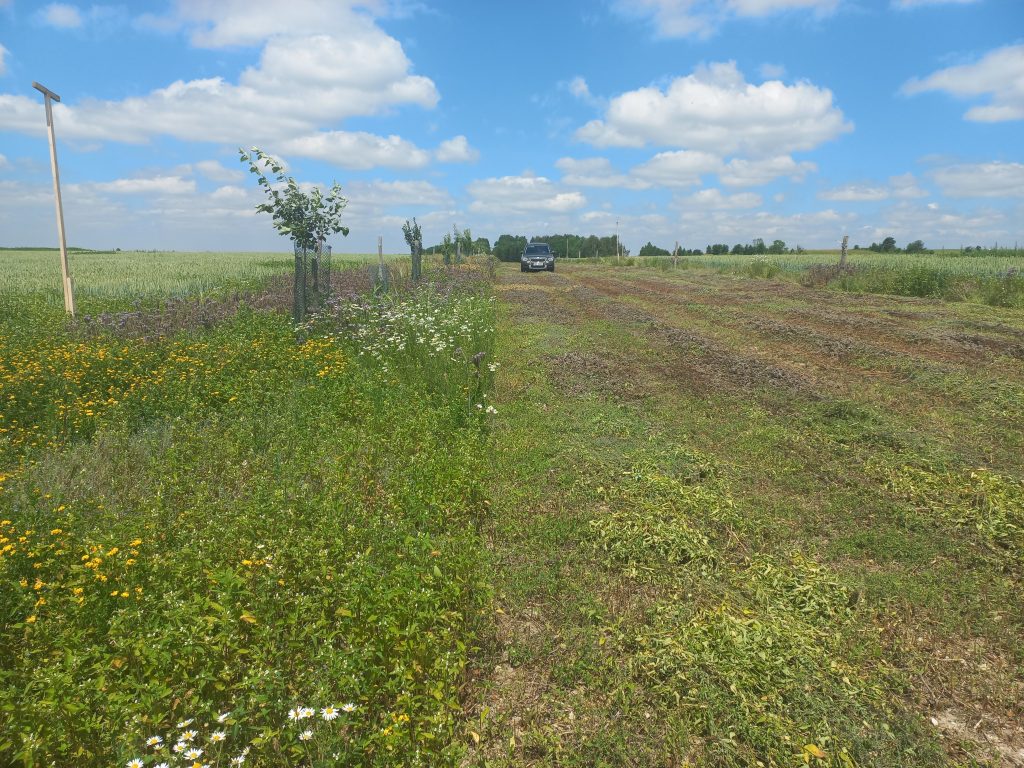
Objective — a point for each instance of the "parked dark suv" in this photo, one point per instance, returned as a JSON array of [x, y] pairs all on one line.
[[537, 256]]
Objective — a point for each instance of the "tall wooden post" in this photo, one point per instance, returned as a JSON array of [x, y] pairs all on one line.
[[417, 259], [842, 253], [65, 271], [299, 295], [382, 273]]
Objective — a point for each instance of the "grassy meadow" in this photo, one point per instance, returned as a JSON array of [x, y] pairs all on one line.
[[244, 542], [608, 516]]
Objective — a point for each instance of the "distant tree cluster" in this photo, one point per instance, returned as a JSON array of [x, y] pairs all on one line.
[[463, 240], [653, 250], [755, 248], [888, 245], [650, 249]]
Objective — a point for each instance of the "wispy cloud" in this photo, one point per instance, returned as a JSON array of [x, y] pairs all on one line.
[[999, 74]]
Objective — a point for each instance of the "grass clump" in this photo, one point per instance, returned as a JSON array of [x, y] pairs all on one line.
[[653, 519], [986, 503], [768, 670]]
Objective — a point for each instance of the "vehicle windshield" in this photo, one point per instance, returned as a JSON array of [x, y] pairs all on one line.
[[538, 250]]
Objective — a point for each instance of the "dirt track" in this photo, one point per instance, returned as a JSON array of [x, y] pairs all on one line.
[[713, 333]]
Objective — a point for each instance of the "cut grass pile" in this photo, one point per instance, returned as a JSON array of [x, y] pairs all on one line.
[[243, 542]]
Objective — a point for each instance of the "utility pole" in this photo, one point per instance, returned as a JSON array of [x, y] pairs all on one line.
[[65, 272]]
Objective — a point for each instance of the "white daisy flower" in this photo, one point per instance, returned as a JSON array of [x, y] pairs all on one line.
[[307, 712], [185, 723], [238, 760], [180, 747], [295, 714], [350, 707], [135, 762], [154, 741], [161, 765], [329, 713], [188, 735], [217, 736], [222, 717], [193, 754], [306, 735]]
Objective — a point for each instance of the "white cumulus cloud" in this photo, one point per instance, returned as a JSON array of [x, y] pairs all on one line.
[[383, 194], [61, 16], [899, 187], [713, 199], [855, 193], [357, 150], [522, 194], [229, 193], [320, 64], [682, 168], [716, 110], [995, 179], [595, 172], [908, 4], [232, 23], [216, 171], [700, 18], [155, 185], [456, 150], [999, 74], [741, 172]]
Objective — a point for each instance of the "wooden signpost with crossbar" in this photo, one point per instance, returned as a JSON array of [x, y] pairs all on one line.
[[65, 271]]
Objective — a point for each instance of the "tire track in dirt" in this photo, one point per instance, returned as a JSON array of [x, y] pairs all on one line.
[[930, 333]]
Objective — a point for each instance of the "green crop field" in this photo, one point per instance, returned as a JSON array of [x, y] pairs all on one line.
[[616, 515], [115, 279]]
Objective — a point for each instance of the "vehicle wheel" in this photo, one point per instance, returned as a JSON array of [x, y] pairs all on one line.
[[551, 268], [522, 268]]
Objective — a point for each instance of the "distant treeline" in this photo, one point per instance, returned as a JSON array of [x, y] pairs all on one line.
[[510, 247]]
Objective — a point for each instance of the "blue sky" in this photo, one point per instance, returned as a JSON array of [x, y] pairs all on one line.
[[696, 121]]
